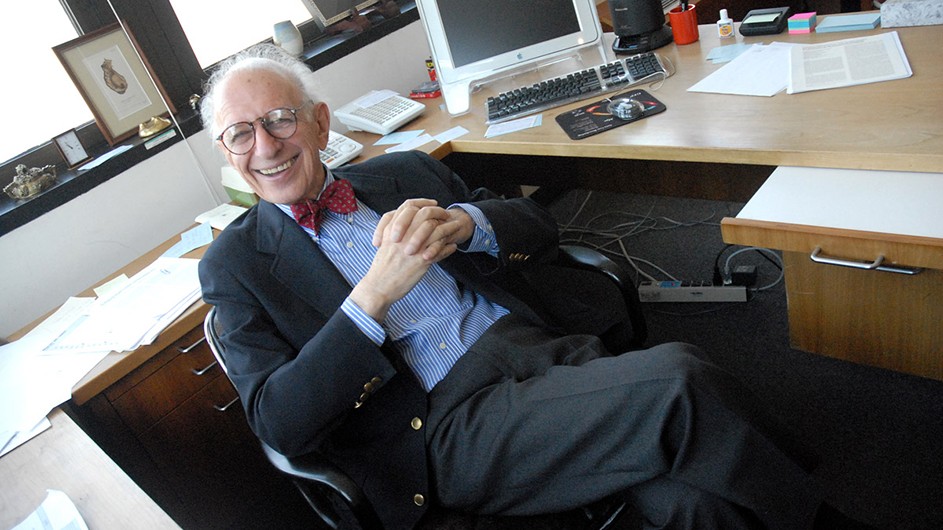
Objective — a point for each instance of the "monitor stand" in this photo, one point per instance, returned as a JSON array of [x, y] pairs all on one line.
[[645, 42]]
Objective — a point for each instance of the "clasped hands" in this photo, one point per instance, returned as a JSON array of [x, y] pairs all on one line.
[[409, 240]]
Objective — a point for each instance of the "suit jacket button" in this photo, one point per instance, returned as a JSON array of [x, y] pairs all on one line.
[[418, 499], [364, 396], [416, 424], [368, 387], [376, 380]]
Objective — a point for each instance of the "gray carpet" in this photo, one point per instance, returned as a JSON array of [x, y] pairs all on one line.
[[879, 433]]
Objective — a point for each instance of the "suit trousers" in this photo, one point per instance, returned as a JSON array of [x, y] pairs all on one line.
[[529, 422]]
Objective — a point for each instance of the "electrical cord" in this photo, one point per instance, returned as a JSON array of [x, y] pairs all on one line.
[[761, 250], [723, 278], [616, 234]]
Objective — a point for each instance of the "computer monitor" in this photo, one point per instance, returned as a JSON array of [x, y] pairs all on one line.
[[474, 40], [329, 12]]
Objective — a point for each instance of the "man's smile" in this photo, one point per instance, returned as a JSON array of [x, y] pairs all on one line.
[[279, 168]]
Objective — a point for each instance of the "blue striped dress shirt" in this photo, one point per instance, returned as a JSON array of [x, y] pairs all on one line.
[[436, 322]]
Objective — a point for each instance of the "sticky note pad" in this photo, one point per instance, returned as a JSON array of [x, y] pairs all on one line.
[[802, 23]]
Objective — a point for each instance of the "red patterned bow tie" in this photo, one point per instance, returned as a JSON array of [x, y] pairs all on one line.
[[338, 197]]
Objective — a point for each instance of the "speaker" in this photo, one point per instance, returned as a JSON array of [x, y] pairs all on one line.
[[639, 25]]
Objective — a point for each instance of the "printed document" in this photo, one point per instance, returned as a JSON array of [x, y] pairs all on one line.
[[847, 62], [759, 71]]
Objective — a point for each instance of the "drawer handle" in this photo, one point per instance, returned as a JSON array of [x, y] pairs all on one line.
[[204, 370], [223, 408], [194, 345], [875, 265]]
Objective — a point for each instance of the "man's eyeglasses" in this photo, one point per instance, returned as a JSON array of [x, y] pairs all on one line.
[[239, 138]]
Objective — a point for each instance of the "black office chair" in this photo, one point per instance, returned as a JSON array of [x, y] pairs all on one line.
[[339, 501]]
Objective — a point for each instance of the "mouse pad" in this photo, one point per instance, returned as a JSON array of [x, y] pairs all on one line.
[[596, 118]]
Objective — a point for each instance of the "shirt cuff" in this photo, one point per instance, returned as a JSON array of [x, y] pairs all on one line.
[[482, 239], [364, 322]]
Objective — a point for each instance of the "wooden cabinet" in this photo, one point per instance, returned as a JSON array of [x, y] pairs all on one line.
[[175, 426]]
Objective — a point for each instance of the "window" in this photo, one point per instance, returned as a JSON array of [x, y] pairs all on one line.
[[39, 99], [240, 24]]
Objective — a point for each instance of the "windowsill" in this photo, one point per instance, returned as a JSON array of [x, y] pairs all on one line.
[[320, 52], [74, 182], [329, 48]]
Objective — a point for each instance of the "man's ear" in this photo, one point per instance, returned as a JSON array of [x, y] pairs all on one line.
[[322, 115]]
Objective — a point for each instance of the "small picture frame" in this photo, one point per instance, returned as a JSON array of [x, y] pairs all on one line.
[[71, 149], [115, 80]]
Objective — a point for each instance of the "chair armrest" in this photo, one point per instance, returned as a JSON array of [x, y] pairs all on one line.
[[310, 473], [592, 260]]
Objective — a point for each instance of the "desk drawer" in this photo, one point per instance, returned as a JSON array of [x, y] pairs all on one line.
[[183, 369], [850, 214], [851, 245]]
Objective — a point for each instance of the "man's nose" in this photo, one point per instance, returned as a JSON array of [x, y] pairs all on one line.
[[264, 140]]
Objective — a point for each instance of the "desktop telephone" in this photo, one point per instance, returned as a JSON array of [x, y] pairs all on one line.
[[379, 111], [339, 150]]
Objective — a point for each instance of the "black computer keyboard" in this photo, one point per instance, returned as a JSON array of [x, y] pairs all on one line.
[[600, 79]]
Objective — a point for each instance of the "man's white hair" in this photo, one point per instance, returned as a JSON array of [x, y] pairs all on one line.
[[262, 57]]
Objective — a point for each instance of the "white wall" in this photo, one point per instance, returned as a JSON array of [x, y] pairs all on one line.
[[76, 245]]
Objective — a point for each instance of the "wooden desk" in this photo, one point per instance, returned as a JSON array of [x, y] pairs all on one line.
[[64, 458], [893, 125], [724, 147]]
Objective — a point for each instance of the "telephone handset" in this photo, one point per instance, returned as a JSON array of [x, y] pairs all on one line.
[[379, 112], [339, 150]]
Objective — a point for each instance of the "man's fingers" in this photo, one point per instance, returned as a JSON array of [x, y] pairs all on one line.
[[406, 215]]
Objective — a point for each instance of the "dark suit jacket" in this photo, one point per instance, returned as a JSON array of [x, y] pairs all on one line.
[[308, 378]]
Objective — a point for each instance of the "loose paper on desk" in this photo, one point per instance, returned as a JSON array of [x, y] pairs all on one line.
[[38, 381], [759, 71], [411, 145], [514, 125], [220, 217], [847, 62], [194, 238], [57, 512], [135, 313]]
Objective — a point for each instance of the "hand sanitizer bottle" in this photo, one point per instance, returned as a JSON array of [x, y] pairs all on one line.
[[724, 25]]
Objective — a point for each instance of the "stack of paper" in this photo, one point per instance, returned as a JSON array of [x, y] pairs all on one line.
[[759, 71], [136, 312], [801, 23], [856, 22]]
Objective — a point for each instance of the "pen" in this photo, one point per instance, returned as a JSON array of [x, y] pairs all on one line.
[[684, 6]]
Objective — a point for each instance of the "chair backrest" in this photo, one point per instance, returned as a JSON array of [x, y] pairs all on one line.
[[212, 338]]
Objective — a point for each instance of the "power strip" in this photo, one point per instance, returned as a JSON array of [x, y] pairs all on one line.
[[678, 291]]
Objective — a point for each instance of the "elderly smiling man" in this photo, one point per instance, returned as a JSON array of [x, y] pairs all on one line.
[[375, 313]]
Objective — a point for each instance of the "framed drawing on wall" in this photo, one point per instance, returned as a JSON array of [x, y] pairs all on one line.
[[115, 80]]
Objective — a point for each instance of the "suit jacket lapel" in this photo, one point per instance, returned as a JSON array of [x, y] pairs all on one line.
[[297, 261]]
